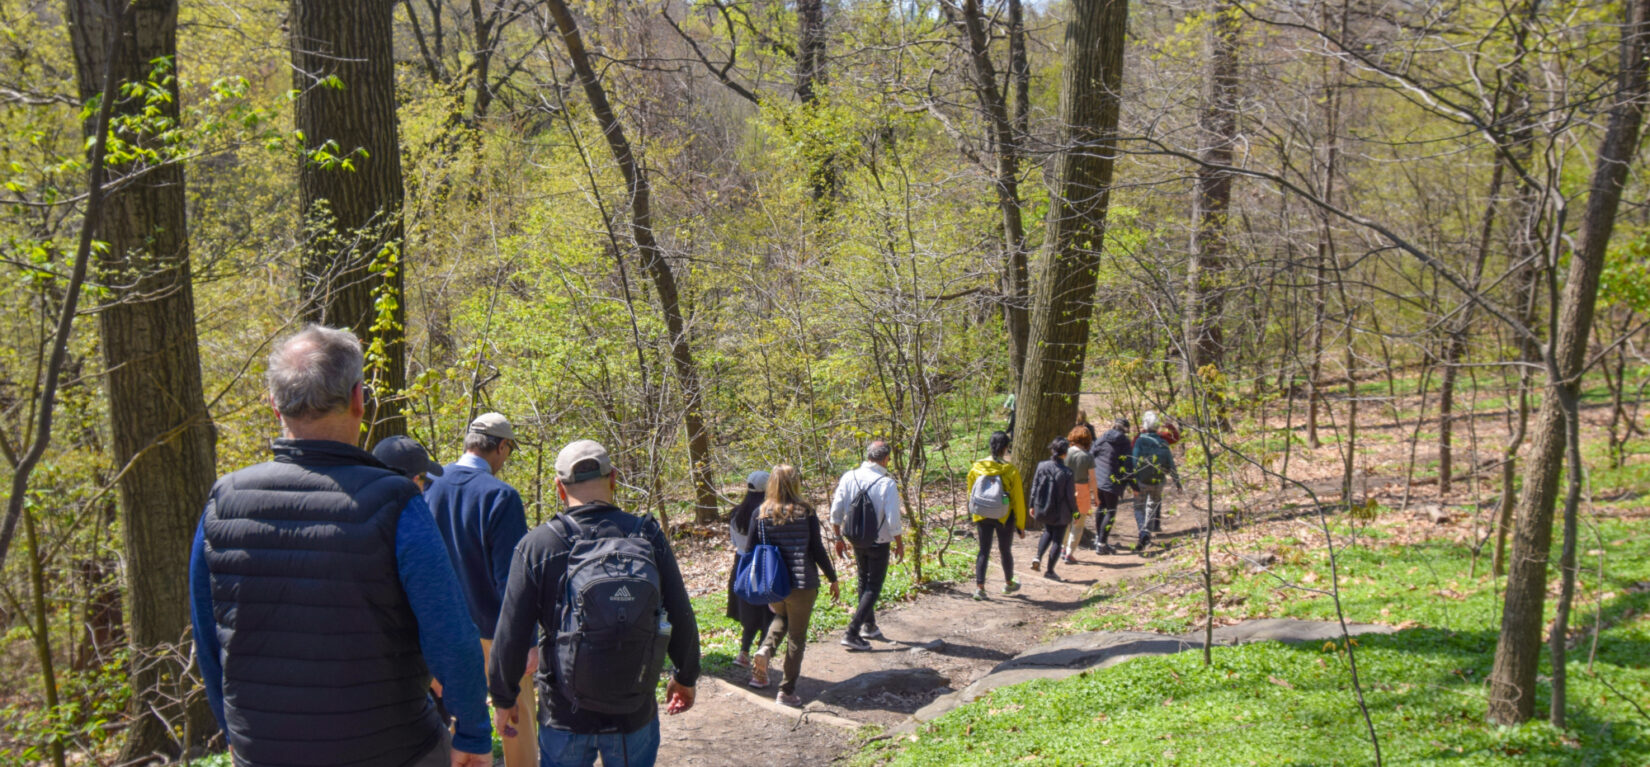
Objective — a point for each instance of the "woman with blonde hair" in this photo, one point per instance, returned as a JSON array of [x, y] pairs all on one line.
[[787, 521]]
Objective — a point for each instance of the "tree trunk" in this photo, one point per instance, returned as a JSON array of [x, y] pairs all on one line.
[[653, 259], [810, 75], [1212, 196], [162, 433], [1005, 141], [1063, 300], [1517, 653], [350, 188]]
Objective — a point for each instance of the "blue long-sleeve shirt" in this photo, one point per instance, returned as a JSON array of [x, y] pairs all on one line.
[[446, 634], [481, 519]]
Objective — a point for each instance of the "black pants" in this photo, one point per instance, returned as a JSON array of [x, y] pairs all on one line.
[[1105, 517], [1050, 542], [873, 570], [985, 530]]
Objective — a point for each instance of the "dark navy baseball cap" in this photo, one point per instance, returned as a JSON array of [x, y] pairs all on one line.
[[405, 455]]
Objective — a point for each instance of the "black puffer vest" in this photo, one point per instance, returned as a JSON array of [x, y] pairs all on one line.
[[792, 540], [320, 653]]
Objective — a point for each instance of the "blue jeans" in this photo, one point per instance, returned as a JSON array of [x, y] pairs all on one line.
[[560, 748]]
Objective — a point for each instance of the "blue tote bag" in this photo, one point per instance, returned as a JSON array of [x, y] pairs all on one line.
[[763, 577]]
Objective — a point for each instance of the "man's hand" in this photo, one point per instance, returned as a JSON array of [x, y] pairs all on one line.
[[1021, 532], [505, 721], [899, 548], [836, 592], [466, 759], [841, 547], [679, 698]]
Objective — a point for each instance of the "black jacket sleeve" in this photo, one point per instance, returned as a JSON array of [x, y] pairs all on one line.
[[817, 550], [513, 637], [684, 633]]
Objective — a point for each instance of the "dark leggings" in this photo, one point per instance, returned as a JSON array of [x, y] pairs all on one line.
[[1050, 542], [749, 634], [1104, 519], [985, 530]]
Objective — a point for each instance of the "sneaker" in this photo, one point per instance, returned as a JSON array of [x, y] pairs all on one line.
[[855, 643], [1036, 564], [1141, 546], [1051, 575], [743, 661], [1011, 587], [1104, 550], [870, 632], [787, 699], [1070, 560], [979, 595], [759, 671]]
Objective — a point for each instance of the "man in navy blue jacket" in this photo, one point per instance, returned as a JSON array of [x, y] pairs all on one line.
[[320, 594], [481, 518]]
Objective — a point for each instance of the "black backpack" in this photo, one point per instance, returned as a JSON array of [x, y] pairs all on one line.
[[611, 633], [863, 522]]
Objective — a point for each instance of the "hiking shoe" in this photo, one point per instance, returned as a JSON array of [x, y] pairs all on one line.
[[1070, 560], [743, 661], [855, 643], [759, 671], [1011, 587], [1036, 564], [870, 632], [787, 699], [1051, 575], [979, 595], [1141, 546]]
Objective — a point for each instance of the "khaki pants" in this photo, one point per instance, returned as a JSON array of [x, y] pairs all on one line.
[[523, 749], [790, 624]]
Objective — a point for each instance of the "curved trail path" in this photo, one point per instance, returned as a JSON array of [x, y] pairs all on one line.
[[941, 641]]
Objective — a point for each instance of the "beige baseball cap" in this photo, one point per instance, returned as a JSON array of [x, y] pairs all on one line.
[[582, 461], [493, 425]]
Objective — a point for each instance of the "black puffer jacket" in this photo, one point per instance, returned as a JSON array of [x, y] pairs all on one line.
[[801, 544], [1114, 461], [1053, 495]]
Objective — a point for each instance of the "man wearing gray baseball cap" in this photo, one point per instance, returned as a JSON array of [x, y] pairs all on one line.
[[481, 518], [604, 649]]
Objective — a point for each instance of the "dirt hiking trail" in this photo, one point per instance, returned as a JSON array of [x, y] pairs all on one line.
[[940, 642]]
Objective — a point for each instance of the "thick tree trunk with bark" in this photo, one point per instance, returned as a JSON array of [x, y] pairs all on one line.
[[1212, 195], [823, 179], [1063, 299], [653, 259], [1005, 143], [1518, 652], [350, 187], [162, 434]]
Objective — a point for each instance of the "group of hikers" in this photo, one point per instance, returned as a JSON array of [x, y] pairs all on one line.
[[360, 608]]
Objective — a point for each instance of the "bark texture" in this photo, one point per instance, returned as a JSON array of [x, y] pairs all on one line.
[[653, 260], [1063, 297], [354, 258], [1212, 195], [1518, 652], [162, 433]]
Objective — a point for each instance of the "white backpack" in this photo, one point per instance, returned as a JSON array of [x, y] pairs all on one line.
[[986, 499]]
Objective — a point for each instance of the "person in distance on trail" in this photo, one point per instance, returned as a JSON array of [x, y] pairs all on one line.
[[321, 596], [1054, 500], [481, 518], [1081, 464], [753, 619], [866, 507], [1113, 461], [1153, 463], [1083, 423], [1170, 433], [405, 455], [787, 521], [997, 504], [604, 650]]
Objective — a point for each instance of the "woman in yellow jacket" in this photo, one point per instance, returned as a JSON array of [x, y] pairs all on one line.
[[997, 501]]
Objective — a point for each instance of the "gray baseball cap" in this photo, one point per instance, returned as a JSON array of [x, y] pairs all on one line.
[[757, 481], [405, 455], [493, 425], [582, 461]]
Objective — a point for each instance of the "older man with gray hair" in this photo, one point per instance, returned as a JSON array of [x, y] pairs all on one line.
[[321, 594], [482, 518], [869, 487]]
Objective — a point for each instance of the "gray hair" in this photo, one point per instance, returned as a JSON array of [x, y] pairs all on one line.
[[1148, 422], [476, 442], [878, 451], [314, 371]]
